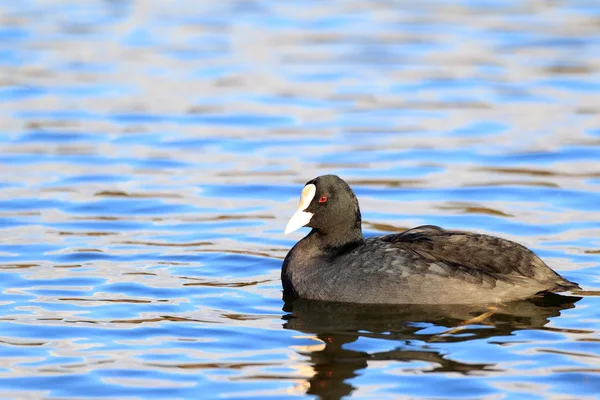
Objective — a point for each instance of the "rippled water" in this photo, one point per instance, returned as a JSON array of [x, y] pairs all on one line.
[[151, 153]]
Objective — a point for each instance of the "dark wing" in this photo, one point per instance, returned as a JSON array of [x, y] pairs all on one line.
[[477, 258]]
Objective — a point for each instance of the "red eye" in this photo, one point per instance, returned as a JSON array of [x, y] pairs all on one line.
[[323, 199]]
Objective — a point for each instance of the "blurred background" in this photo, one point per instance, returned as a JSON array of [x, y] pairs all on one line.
[[151, 153]]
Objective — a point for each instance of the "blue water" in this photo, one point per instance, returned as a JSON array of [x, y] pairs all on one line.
[[151, 153]]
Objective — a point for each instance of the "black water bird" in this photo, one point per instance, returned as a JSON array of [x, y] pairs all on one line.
[[423, 265]]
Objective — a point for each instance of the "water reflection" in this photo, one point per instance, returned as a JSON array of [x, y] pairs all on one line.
[[415, 332]]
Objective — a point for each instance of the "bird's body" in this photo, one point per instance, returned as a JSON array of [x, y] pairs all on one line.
[[424, 265]]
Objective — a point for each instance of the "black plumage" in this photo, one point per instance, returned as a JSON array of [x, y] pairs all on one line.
[[424, 265]]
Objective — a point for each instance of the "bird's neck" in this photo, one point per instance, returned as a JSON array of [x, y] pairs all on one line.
[[338, 239]]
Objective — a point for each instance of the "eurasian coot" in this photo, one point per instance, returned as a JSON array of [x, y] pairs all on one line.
[[423, 265]]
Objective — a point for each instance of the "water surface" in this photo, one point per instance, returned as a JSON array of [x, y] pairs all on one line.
[[151, 153]]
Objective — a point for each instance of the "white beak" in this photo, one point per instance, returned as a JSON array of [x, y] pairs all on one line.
[[301, 217]]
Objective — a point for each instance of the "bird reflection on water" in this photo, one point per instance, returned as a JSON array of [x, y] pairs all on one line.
[[339, 324]]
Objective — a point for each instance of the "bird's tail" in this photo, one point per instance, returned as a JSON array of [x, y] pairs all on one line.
[[564, 285]]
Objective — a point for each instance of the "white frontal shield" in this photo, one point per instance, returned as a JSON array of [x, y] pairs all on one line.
[[301, 217]]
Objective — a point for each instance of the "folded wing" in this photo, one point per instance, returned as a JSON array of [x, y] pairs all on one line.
[[477, 258]]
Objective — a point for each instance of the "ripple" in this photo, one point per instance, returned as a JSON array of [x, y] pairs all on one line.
[[151, 156]]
